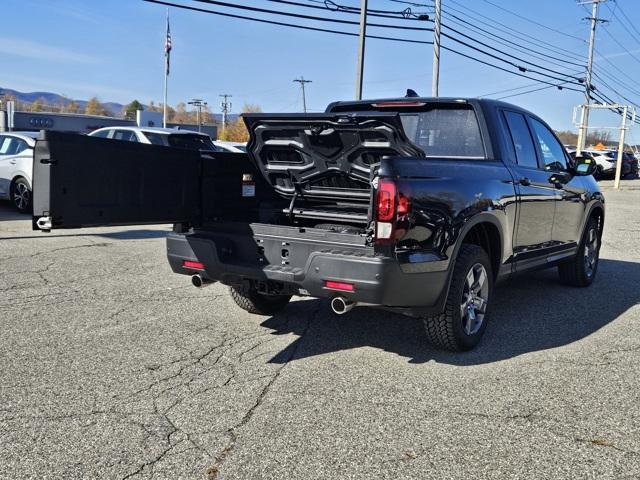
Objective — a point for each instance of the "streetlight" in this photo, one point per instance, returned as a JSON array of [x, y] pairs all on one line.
[[198, 103]]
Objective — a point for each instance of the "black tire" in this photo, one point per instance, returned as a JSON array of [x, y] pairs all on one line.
[[581, 270], [21, 196], [449, 330], [254, 302], [598, 175]]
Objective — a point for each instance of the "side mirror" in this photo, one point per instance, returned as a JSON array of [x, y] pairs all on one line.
[[583, 166]]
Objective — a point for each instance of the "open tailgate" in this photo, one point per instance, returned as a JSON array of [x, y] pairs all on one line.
[[325, 155], [81, 181]]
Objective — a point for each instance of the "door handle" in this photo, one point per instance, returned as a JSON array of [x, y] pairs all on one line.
[[12, 162], [524, 181]]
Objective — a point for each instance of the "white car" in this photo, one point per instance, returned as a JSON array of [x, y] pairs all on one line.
[[606, 161], [235, 147], [16, 168], [168, 137]]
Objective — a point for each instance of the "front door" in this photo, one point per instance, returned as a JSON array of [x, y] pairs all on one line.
[[82, 181], [536, 195], [7, 146], [567, 223]]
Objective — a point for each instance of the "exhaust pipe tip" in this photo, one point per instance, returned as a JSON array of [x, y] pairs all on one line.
[[341, 305], [198, 281]]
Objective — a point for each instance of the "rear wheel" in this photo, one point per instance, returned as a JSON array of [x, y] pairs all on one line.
[[21, 195], [463, 322], [258, 303], [581, 270]]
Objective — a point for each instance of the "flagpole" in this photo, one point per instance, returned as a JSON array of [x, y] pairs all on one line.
[[166, 78]]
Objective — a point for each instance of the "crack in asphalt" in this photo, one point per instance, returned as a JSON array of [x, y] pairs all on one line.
[[213, 471]]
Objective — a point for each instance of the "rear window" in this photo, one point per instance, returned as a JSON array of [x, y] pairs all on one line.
[[191, 142], [445, 132]]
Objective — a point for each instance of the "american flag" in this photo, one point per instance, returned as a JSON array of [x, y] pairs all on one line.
[[167, 45]]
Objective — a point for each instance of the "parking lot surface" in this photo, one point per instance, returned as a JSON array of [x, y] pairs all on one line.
[[114, 367]]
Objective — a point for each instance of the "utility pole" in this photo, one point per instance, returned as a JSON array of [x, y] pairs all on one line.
[[435, 69], [584, 115], [225, 106], [363, 35], [623, 129], [302, 81], [198, 103]]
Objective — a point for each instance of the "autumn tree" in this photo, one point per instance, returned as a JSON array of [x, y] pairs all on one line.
[[236, 131], [181, 115], [131, 110], [73, 107], [94, 107], [37, 105]]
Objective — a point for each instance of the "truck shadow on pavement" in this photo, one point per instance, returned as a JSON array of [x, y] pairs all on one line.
[[528, 313]]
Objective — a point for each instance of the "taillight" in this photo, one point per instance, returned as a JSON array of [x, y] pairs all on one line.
[[386, 200], [392, 208], [345, 287], [193, 265]]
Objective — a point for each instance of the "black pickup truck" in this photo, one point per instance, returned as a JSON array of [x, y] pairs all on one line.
[[415, 205]]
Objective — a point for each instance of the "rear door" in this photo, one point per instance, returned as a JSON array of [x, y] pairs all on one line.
[[81, 181], [537, 196]]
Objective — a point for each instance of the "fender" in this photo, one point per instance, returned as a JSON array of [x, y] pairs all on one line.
[[482, 217]]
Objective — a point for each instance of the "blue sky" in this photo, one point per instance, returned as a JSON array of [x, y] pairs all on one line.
[[114, 49]]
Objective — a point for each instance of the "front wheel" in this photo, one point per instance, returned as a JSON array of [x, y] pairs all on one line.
[[581, 270], [254, 302], [463, 322], [21, 195]]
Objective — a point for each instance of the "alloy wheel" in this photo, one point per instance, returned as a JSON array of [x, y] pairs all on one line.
[[475, 297], [591, 252], [21, 196]]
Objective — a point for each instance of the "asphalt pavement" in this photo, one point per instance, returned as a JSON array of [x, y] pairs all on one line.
[[114, 367]]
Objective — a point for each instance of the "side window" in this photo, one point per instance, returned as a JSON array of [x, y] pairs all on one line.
[[21, 145], [8, 146], [522, 141], [4, 145], [101, 134], [552, 152], [155, 138], [125, 135]]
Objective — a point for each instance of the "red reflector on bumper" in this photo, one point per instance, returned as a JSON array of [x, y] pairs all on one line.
[[345, 287], [193, 265]]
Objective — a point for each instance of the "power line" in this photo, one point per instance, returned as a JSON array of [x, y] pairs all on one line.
[[282, 24], [503, 69], [613, 13], [273, 22], [516, 33], [621, 45], [406, 14], [559, 86], [561, 62], [624, 15], [534, 22], [306, 17], [504, 53]]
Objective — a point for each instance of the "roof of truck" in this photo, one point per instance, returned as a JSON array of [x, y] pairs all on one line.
[[417, 100]]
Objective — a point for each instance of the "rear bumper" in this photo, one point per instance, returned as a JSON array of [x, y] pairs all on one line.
[[376, 280]]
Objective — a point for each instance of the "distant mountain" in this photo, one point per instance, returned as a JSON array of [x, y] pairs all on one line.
[[54, 99]]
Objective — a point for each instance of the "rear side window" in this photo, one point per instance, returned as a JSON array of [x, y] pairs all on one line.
[[522, 141], [445, 132], [126, 135], [101, 134], [156, 138], [191, 142]]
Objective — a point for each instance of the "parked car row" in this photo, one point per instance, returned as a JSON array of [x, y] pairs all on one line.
[[606, 161], [16, 154]]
